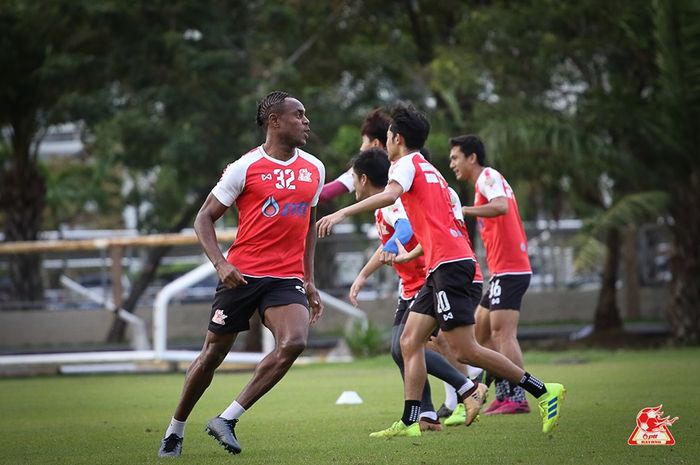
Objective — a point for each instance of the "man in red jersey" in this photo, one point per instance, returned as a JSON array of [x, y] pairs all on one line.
[[448, 298], [370, 171], [506, 255], [269, 267]]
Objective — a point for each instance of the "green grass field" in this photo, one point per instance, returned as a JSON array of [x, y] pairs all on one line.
[[120, 419]]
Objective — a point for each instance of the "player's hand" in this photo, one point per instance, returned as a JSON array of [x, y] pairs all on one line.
[[387, 258], [229, 275], [355, 289], [325, 224], [402, 256], [465, 211], [315, 304]]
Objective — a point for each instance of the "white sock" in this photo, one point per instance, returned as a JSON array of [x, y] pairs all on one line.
[[177, 427], [233, 412], [429, 415], [450, 396], [474, 372], [465, 387]]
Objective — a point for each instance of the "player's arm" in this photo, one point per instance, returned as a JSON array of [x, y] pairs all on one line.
[[370, 267], [312, 294], [402, 235], [207, 216], [405, 256], [392, 192], [332, 190], [496, 207]]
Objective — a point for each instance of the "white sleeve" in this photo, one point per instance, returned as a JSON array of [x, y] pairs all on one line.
[[232, 182], [346, 180], [456, 204], [321, 181], [403, 172], [490, 184], [394, 212]]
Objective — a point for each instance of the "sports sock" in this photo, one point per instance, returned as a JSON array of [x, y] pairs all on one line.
[[466, 389], [233, 412], [474, 372], [177, 427], [502, 389], [450, 396], [428, 415], [517, 393], [532, 385], [411, 409]]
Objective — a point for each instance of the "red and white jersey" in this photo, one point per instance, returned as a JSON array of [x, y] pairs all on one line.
[[426, 199], [457, 211], [274, 200], [503, 236], [412, 274]]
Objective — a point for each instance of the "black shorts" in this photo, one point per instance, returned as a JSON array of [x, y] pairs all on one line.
[[402, 311], [506, 292], [233, 308], [449, 295]]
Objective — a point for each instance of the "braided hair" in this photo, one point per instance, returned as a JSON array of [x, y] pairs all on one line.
[[268, 105]]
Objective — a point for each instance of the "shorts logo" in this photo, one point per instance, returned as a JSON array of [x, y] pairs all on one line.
[[652, 428], [219, 317], [304, 175], [300, 289], [270, 208]]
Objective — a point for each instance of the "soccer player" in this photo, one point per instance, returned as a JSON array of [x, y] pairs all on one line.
[[506, 255], [373, 133], [448, 298], [370, 169], [269, 267]]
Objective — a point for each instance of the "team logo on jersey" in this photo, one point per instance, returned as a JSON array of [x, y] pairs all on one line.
[[652, 428], [266, 177], [304, 175], [219, 317], [270, 208]]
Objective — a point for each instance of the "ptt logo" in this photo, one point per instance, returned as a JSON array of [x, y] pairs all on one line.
[[271, 208]]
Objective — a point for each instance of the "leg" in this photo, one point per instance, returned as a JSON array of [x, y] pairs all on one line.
[[463, 343], [201, 371], [290, 327], [482, 327], [418, 329]]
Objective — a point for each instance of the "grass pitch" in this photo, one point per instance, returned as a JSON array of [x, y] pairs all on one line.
[[120, 419]]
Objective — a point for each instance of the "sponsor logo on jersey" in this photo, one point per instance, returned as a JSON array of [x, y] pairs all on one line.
[[219, 317], [270, 208], [295, 209], [304, 175]]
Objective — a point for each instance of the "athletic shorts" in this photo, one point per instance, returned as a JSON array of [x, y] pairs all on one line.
[[402, 311], [449, 295], [506, 292], [233, 308]]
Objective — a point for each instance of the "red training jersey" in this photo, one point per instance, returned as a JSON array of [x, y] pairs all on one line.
[[411, 274], [504, 235], [426, 199], [274, 200]]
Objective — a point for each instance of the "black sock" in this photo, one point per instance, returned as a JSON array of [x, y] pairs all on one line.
[[532, 385], [411, 410]]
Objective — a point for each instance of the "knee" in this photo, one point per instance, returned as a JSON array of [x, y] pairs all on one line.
[[409, 344], [292, 347], [502, 334], [211, 357]]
